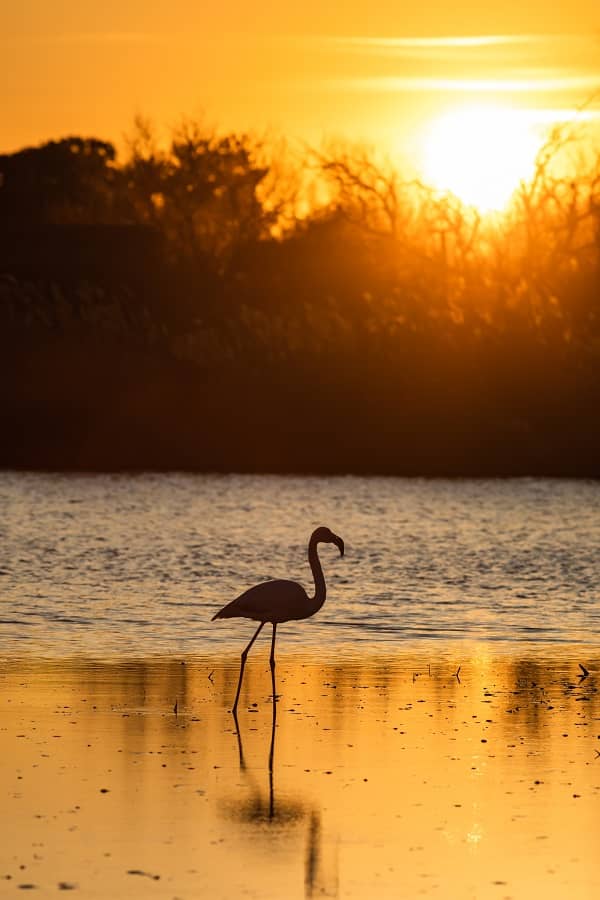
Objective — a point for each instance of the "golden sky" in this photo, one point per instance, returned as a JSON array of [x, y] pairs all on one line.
[[353, 68]]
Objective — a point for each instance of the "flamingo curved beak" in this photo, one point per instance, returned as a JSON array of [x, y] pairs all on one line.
[[339, 543]]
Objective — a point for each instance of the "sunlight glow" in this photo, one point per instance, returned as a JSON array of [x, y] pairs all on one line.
[[481, 154]]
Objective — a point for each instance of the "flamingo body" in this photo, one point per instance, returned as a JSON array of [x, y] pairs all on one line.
[[272, 601]]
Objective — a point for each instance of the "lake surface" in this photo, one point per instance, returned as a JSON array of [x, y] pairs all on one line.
[[122, 564], [437, 729], [390, 778]]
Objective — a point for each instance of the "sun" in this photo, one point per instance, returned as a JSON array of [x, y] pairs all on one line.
[[481, 154]]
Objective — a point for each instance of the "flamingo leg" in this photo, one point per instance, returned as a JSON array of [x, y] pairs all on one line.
[[244, 655], [272, 747], [272, 664]]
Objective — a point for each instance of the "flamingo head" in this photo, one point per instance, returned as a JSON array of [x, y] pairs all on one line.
[[324, 535]]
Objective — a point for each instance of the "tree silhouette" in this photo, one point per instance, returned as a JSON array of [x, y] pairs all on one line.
[[332, 300], [202, 191], [74, 179]]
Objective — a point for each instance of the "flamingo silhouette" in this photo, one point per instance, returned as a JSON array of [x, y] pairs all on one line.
[[280, 601]]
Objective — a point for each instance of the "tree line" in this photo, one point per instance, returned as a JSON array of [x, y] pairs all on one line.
[[315, 311]]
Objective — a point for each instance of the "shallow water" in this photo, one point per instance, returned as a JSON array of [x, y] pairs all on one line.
[[115, 564], [391, 777], [435, 733]]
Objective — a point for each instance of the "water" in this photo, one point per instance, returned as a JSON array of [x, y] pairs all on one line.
[[435, 733], [380, 777], [115, 564]]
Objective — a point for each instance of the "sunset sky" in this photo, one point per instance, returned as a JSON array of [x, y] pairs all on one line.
[[377, 71]]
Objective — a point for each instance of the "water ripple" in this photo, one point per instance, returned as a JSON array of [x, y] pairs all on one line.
[[107, 561]]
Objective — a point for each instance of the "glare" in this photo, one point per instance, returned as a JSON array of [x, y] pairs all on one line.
[[481, 154]]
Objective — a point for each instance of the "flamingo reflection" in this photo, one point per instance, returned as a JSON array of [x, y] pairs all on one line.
[[258, 808], [284, 815]]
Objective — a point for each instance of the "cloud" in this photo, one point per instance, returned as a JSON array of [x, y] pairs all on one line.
[[92, 37], [386, 84], [448, 42]]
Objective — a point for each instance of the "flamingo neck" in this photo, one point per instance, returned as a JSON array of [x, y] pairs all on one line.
[[315, 565]]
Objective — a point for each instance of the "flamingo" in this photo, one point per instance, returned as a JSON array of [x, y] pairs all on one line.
[[280, 601]]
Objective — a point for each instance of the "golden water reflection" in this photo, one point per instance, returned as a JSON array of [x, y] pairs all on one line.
[[390, 776]]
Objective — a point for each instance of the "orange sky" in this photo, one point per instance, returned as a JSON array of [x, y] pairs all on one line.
[[356, 68]]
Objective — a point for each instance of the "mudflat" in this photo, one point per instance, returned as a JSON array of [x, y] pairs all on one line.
[[455, 771]]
